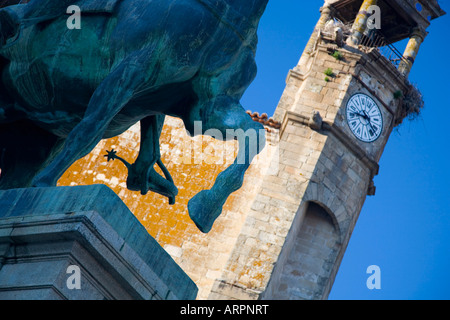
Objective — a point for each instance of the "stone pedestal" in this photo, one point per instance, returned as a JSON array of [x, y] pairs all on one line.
[[81, 243]]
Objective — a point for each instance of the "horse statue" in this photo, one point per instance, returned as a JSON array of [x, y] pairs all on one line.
[[62, 89]]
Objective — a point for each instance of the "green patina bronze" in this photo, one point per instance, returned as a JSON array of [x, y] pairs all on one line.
[[63, 90]]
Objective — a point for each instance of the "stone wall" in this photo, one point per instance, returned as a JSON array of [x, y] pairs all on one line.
[[255, 246], [312, 257], [194, 164]]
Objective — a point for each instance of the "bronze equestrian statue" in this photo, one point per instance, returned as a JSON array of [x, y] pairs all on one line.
[[63, 90]]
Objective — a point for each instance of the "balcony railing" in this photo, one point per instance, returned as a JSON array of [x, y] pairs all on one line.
[[371, 39], [375, 39]]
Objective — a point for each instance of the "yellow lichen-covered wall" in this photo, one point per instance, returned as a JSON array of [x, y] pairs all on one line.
[[194, 163], [167, 224]]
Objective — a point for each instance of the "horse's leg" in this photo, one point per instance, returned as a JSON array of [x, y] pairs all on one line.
[[149, 153], [108, 99], [142, 176], [225, 115]]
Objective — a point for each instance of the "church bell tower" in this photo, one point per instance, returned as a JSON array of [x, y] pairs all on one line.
[[284, 233], [341, 103]]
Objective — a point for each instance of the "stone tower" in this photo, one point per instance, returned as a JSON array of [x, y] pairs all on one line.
[[284, 233], [342, 101]]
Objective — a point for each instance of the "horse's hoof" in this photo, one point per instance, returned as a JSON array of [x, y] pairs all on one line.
[[203, 211]]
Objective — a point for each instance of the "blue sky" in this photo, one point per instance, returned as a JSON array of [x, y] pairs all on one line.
[[405, 227]]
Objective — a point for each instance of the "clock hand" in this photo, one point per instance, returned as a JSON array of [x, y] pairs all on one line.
[[366, 116], [359, 114], [370, 123], [369, 120]]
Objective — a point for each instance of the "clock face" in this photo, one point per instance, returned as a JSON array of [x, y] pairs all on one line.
[[364, 118]]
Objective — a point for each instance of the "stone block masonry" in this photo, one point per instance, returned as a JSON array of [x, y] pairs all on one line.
[[46, 234], [244, 254], [284, 233]]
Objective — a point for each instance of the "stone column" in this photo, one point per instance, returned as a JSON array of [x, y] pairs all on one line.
[[412, 49], [325, 16], [360, 24]]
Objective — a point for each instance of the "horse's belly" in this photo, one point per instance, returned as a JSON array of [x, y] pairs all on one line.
[[57, 71], [43, 87]]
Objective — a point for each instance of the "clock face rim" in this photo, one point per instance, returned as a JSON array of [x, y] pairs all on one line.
[[379, 111]]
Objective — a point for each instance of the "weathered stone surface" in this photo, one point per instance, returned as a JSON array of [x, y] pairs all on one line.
[[44, 230], [268, 243]]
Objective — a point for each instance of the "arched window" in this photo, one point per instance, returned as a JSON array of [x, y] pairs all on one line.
[[306, 271]]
